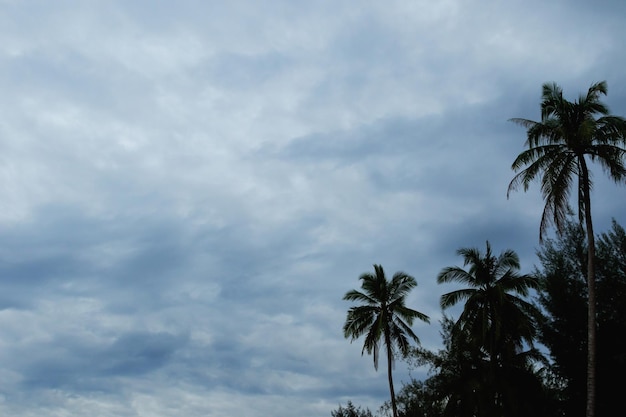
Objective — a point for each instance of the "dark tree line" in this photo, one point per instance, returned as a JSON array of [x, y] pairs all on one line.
[[564, 298], [549, 380], [490, 365]]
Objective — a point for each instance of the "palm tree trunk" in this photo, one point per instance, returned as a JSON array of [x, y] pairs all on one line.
[[389, 375], [591, 289]]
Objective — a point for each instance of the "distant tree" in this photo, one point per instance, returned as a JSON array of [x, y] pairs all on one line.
[[416, 399], [563, 296], [559, 147], [383, 316], [350, 410]]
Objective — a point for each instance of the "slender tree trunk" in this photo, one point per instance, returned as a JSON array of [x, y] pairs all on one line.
[[389, 375], [591, 289]]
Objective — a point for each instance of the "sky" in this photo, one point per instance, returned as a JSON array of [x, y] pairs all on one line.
[[189, 188]]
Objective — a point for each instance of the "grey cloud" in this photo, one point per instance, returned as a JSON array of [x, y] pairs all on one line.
[[241, 72], [139, 353], [70, 362], [189, 195]]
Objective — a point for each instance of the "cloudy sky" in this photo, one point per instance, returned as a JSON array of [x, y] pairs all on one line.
[[189, 188]]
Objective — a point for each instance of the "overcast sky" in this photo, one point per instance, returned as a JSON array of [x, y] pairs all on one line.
[[189, 188]]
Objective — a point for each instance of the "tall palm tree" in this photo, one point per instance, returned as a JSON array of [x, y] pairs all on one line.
[[560, 146], [496, 322], [383, 316]]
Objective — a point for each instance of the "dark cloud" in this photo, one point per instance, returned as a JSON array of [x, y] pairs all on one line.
[[73, 363]]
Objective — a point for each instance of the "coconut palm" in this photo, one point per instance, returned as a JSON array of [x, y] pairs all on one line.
[[383, 316], [560, 147], [496, 323], [499, 320]]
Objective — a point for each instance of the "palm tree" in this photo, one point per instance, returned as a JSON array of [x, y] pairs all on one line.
[[495, 323], [569, 135], [383, 315], [499, 320]]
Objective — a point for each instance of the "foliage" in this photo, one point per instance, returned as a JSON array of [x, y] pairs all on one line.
[[495, 316], [417, 399], [611, 273], [564, 298], [461, 380], [350, 410], [489, 365], [459, 384], [557, 146], [485, 370]]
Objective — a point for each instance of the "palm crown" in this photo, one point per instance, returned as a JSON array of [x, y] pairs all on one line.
[[383, 312], [494, 314], [557, 146]]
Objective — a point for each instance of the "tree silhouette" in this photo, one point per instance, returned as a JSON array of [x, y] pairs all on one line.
[[383, 316], [559, 147], [496, 323]]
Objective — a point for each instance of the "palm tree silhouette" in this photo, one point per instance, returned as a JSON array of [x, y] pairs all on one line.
[[569, 135], [494, 326], [383, 316]]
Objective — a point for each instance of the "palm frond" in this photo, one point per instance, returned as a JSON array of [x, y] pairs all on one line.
[[555, 188], [454, 297], [354, 295], [455, 274], [611, 159], [408, 314]]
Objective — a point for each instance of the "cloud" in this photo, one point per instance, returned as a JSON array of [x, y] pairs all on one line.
[[81, 366], [189, 190]]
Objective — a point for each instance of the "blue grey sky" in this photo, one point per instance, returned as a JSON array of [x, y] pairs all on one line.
[[189, 188]]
